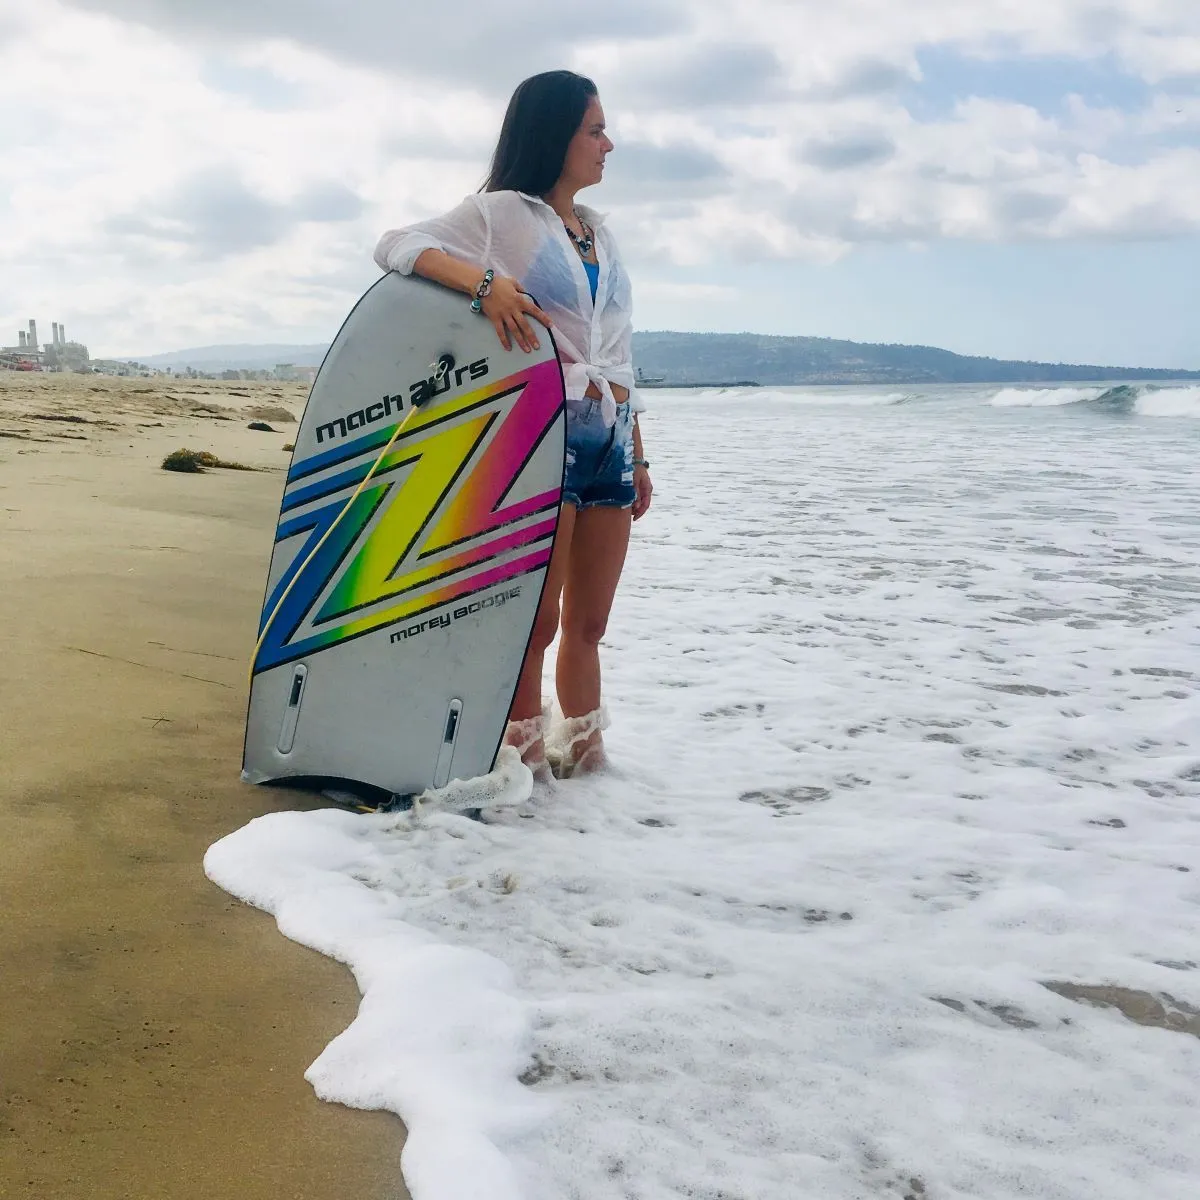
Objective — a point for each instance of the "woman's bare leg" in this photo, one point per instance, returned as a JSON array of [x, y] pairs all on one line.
[[527, 702], [597, 555]]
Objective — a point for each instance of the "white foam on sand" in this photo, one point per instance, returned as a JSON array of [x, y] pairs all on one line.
[[897, 746]]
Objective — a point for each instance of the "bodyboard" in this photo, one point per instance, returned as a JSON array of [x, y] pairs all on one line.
[[405, 578]]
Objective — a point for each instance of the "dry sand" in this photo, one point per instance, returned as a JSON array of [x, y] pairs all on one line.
[[153, 1032]]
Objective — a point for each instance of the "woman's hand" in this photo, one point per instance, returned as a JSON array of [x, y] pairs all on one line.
[[644, 489], [509, 309]]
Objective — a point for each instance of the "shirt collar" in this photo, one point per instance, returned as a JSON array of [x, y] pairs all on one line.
[[594, 219]]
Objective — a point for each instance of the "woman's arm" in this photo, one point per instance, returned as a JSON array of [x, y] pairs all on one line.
[[506, 305], [464, 232], [451, 272], [642, 485], [448, 249]]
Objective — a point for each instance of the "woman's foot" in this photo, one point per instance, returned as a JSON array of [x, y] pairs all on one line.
[[528, 737], [575, 746]]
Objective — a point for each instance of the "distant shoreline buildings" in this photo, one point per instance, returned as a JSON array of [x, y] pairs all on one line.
[[56, 355], [59, 355]]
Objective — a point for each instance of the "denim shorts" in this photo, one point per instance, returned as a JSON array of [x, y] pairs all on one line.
[[599, 457]]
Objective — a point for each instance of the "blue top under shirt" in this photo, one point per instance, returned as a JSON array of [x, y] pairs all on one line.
[[593, 274]]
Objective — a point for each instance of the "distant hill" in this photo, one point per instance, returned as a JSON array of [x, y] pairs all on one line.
[[683, 359], [691, 359], [232, 358]]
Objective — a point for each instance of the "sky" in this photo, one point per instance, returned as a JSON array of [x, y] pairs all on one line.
[[1018, 178]]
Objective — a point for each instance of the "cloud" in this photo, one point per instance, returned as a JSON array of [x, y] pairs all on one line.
[[328, 201], [704, 75], [213, 214], [864, 77], [672, 292], [258, 149], [493, 48], [849, 150], [1022, 206], [258, 84], [639, 172]]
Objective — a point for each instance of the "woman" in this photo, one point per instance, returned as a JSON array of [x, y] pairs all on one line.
[[525, 227]]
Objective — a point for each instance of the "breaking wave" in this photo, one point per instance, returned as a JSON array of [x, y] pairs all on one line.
[[1119, 400], [1169, 402], [1044, 397], [846, 397], [1144, 400]]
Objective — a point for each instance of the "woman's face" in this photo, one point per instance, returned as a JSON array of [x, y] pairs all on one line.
[[586, 151]]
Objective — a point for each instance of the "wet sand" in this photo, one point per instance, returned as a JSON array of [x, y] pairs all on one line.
[[153, 1031]]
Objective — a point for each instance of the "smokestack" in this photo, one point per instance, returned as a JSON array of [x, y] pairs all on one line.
[[62, 333], [54, 333], [33, 342], [57, 331], [21, 343]]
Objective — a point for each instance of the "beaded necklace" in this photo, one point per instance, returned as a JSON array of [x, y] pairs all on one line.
[[582, 244]]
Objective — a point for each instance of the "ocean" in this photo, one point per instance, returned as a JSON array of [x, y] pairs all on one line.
[[894, 887]]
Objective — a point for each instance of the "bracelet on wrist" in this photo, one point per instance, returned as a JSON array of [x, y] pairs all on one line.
[[642, 462], [483, 291]]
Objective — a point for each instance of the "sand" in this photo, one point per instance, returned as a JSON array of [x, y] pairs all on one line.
[[153, 1032]]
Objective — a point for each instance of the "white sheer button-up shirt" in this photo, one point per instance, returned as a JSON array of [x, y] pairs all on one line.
[[522, 236]]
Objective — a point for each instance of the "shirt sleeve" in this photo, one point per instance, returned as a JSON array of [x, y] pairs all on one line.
[[464, 233]]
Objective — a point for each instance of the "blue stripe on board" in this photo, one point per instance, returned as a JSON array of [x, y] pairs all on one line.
[[287, 529], [327, 458], [325, 487], [317, 522]]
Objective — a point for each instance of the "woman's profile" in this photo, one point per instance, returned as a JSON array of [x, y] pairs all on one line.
[[524, 235]]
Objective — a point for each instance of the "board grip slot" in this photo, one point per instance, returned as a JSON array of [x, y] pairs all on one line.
[[291, 712], [450, 729]]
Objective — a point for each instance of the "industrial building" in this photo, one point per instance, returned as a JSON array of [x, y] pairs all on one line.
[[56, 355]]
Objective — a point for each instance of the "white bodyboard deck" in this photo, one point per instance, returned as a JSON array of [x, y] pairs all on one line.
[[389, 656]]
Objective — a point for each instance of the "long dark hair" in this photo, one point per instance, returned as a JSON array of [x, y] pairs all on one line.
[[544, 114]]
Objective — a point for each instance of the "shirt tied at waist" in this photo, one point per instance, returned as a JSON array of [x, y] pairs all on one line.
[[578, 375]]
